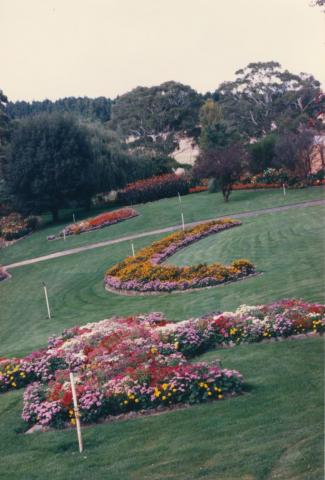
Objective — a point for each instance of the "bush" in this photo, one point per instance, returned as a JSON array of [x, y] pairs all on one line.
[[153, 188]]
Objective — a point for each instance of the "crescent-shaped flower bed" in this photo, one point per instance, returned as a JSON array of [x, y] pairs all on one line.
[[144, 272], [100, 221], [141, 363]]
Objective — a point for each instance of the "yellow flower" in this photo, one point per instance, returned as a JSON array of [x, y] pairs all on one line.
[[164, 386], [157, 392], [73, 421], [125, 402], [14, 384], [136, 400], [220, 396], [169, 394], [174, 390], [209, 393], [153, 350], [163, 397]]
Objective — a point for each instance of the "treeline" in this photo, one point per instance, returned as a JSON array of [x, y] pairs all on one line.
[[55, 153], [97, 109]]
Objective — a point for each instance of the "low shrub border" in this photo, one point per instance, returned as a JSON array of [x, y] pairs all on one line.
[[144, 272]]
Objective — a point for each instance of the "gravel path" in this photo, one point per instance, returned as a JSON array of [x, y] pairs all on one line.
[[254, 213]]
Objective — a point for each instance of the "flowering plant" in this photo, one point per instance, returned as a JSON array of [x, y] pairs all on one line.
[[154, 188], [144, 272], [136, 363], [100, 221], [15, 226]]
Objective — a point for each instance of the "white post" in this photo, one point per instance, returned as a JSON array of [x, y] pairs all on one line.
[[183, 224], [47, 301], [64, 234], [179, 198], [73, 218], [132, 246], [76, 411], [284, 189]]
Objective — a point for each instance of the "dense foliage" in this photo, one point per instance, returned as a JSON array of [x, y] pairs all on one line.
[[50, 164], [153, 188], [88, 108]]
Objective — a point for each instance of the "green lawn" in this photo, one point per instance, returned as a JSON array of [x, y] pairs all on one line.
[[274, 431], [286, 246], [163, 213]]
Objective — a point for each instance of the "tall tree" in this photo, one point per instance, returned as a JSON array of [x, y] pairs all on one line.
[[50, 164], [264, 97], [222, 154], [4, 139], [294, 152]]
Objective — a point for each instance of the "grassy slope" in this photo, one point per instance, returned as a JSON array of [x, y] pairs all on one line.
[[158, 215], [272, 432], [286, 246]]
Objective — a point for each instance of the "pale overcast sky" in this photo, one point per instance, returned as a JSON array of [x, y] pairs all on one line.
[[58, 48]]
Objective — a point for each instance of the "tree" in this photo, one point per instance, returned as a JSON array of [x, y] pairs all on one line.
[[224, 165], [262, 154], [4, 140], [50, 164], [150, 117], [294, 151], [264, 97]]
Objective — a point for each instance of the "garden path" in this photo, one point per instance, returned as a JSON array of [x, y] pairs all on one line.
[[92, 246]]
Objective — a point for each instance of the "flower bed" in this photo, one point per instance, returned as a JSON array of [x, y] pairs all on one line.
[[3, 274], [120, 365], [154, 188], [144, 272], [140, 363], [15, 226], [100, 221]]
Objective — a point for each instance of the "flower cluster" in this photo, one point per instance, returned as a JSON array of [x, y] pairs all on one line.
[[100, 221], [144, 272], [247, 324], [121, 365], [3, 274], [15, 226], [154, 188]]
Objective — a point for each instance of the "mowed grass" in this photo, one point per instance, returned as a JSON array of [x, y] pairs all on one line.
[[287, 247], [155, 215], [273, 431]]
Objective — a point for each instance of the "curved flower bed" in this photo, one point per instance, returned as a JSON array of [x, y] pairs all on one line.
[[100, 221], [144, 272], [136, 363]]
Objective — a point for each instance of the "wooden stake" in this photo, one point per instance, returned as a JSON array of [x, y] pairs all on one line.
[[47, 301], [76, 412], [183, 224], [132, 246]]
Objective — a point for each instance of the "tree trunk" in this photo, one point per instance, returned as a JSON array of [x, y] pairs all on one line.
[[55, 215]]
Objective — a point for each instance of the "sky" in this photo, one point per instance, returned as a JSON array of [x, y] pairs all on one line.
[[59, 48]]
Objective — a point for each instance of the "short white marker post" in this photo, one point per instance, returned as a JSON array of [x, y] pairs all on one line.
[[179, 198], [76, 411], [284, 189], [183, 224], [47, 301], [132, 247], [73, 218], [64, 234]]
